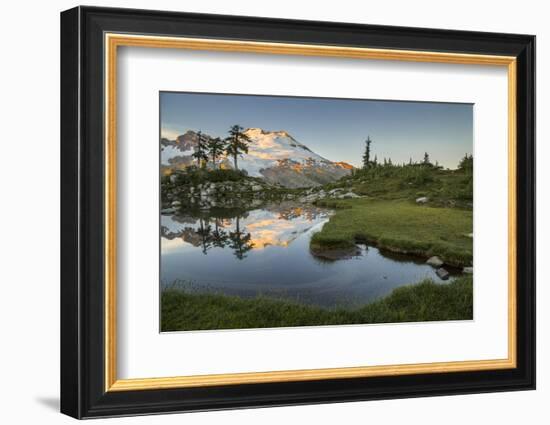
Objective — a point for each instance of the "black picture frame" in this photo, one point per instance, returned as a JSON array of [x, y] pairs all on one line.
[[83, 392]]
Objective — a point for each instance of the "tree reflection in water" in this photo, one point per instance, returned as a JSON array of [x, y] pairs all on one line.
[[239, 240]]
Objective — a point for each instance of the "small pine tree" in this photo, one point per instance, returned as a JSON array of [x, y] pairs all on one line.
[[201, 152], [426, 160], [237, 143], [366, 155], [216, 147], [389, 162], [375, 162]]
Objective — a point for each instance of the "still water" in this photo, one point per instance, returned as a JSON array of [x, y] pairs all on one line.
[[266, 251]]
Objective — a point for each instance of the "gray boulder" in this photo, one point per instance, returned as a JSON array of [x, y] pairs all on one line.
[[468, 270], [442, 273], [435, 261]]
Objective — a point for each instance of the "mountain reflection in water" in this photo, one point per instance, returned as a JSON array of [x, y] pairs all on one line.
[[239, 231]]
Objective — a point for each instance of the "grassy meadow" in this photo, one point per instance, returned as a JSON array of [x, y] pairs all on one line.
[[425, 301], [402, 227], [389, 217]]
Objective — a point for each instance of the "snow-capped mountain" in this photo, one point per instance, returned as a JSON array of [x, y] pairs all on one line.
[[273, 155]]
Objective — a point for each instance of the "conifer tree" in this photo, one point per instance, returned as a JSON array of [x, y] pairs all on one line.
[[426, 160], [237, 143], [201, 152], [366, 155], [216, 147]]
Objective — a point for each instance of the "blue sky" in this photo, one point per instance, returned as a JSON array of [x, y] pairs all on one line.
[[334, 128]]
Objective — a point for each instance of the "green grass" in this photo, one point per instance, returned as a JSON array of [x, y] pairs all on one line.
[[443, 187], [425, 301], [402, 227]]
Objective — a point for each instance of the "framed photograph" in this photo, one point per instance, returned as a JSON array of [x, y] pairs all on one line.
[[261, 212]]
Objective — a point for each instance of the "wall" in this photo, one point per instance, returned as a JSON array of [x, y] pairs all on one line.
[[29, 228]]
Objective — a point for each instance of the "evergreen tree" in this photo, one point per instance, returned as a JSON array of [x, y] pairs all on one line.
[[216, 147], [466, 163], [426, 160], [375, 162], [237, 143], [201, 152], [366, 155], [389, 162]]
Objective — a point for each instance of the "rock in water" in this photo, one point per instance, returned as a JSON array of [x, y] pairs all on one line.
[[435, 261], [442, 273]]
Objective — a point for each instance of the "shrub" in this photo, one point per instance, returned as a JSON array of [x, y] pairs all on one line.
[[194, 175]]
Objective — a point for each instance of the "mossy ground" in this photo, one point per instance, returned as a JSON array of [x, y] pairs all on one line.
[[400, 226]]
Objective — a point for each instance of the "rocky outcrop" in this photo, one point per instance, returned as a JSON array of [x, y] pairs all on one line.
[[312, 195], [295, 174]]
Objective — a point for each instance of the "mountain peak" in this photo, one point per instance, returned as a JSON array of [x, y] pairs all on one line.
[[258, 131]]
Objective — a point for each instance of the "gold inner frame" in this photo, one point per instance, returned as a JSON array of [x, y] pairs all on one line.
[[113, 41]]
